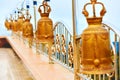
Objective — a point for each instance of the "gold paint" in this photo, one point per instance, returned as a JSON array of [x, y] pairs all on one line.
[[15, 25], [20, 21], [27, 27], [7, 24], [96, 52], [45, 25], [44, 32], [27, 31]]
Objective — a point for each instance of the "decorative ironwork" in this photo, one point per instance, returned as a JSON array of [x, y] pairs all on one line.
[[57, 46], [70, 53], [63, 47]]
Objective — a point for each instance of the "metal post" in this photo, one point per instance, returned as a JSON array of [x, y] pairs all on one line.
[[119, 60], [76, 57], [116, 65], [34, 5]]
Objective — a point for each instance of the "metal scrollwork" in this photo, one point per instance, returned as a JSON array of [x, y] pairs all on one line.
[[57, 46], [57, 43], [63, 45], [70, 53], [63, 48]]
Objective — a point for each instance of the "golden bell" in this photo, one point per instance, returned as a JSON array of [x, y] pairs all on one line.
[[11, 24], [20, 21], [7, 24], [96, 52], [27, 31], [15, 25], [44, 31]]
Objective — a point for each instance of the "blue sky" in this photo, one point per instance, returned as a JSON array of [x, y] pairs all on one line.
[[7, 6], [111, 17], [62, 11]]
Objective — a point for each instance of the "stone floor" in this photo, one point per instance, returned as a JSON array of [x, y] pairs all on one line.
[[11, 67]]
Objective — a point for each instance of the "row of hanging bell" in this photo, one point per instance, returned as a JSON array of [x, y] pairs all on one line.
[[44, 32], [15, 24], [96, 49]]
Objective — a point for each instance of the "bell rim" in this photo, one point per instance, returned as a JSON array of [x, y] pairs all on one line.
[[99, 71]]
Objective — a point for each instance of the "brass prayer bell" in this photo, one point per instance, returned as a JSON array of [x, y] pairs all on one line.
[[15, 25], [96, 51], [7, 24], [44, 31], [27, 26], [20, 21]]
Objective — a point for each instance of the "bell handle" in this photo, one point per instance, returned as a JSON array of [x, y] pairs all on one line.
[[93, 2], [46, 7]]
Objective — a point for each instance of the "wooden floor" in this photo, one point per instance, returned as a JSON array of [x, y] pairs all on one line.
[[11, 67], [36, 64]]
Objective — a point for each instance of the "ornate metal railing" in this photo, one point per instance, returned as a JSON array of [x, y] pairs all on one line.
[[115, 40], [63, 45], [62, 49]]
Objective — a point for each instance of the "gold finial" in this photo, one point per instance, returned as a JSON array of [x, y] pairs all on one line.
[[44, 9], [93, 3], [27, 16], [94, 19]]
